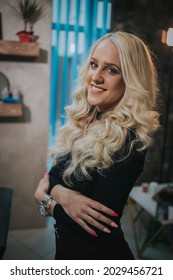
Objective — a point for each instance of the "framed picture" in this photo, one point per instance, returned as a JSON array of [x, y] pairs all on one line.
[[0, 26]]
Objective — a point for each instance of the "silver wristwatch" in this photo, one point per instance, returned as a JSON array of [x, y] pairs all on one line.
[[44, 206]]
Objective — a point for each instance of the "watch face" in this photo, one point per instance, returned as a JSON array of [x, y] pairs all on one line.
[[46, 198], [42, 210]]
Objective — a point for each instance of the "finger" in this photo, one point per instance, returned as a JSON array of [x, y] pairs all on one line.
[[100, 217], [100, 207], [46, 175], [84, 225], [96, 224]]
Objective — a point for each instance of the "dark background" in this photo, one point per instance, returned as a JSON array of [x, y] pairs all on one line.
[[0, 26], [147, 19]]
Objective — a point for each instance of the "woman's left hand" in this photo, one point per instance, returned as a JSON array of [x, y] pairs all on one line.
[[83, 210]]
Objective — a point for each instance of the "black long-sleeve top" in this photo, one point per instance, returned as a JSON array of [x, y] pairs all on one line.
[[112, 189]]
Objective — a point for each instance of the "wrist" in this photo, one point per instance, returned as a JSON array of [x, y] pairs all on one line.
[[55, 193], [45, 205], [52, 206], [39, 195]]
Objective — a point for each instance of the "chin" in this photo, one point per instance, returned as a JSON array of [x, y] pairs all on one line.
[[92, 102]]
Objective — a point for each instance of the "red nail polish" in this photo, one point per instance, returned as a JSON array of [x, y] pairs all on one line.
[[94, 234], [46, 173], [114, 214]]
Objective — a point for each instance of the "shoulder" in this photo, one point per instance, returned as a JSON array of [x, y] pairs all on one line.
[[130, 149], [130, 156], [135, 159]]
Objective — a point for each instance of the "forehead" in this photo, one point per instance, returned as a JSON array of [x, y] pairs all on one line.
[[106, 50]]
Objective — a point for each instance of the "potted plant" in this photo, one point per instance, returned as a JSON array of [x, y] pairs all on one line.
[[30, 11]]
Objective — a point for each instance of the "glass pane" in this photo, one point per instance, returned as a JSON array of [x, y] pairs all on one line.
[[82, 13], [99, 23], [61, 43]]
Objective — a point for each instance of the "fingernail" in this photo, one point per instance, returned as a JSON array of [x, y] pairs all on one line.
[[114, 225], [94, 234], [114, 214], [106, 230], [46, 174]]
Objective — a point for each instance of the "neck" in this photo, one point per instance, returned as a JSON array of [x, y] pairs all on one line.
[[98, 115]]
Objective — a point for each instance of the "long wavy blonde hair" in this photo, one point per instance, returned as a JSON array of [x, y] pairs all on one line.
[[90, 143]]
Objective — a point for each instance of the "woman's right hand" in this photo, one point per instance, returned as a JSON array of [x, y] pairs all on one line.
[[83, 210]]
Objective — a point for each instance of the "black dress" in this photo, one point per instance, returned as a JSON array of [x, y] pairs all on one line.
[[111, 189]]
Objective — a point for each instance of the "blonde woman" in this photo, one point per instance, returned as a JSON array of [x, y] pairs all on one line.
[[100, 152]]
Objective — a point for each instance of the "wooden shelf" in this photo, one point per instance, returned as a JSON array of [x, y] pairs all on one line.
[[11, 109], [19, 49]]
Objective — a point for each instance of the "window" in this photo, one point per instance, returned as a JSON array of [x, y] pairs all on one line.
[[76, 24]]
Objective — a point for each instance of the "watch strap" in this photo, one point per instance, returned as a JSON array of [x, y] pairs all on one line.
[[45, 204], [45, 200]]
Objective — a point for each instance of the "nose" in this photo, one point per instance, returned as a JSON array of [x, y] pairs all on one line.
[[97, 76]]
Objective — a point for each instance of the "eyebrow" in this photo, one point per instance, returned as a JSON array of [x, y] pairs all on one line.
[[108, 64]]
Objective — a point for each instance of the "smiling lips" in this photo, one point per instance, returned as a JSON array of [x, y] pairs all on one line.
[[97, 89]]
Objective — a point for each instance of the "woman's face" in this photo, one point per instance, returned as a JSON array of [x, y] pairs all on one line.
[[105, 84]]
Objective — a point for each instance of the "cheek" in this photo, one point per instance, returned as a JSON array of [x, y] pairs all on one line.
[[88, 78], [120, 86]]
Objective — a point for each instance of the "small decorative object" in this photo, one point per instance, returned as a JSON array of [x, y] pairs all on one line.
[[164, 199], [153, 187], [30, 11], [10, 101], [6, 93], [24, 36], [165, 195], [144, 187], [4, 85]]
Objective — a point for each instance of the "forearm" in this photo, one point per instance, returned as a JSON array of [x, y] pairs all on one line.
[[62, 195], [55, 193], [58, 192], [39, 195], [52, 206], [43, 189], [77, 206]]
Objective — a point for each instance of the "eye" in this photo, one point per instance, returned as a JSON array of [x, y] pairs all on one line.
[[93, 64], [112, 71]]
